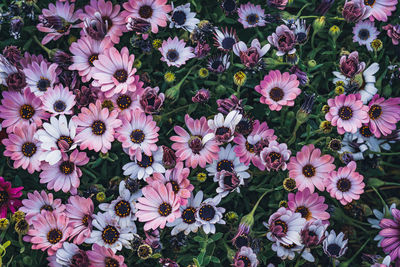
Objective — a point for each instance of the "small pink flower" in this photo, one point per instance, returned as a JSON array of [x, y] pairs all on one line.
[[9, 197], [79, 210], [390, 233], [383, 115], [278, 89], [380, 9], [393, 32], [310, 169], [284, 40], [345, 184], [100, 256], [274, 156], [251, 15]]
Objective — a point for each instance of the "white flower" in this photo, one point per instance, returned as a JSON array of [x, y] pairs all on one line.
[[146, 167], [224, 128], [375, 222], [335, 246], [58, 100], [364, 33], [208, 214], [181, 17], [289, 251]]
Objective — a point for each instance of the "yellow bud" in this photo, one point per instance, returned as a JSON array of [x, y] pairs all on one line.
[[100, 196]]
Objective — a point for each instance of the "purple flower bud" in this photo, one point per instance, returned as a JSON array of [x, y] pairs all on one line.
[[228, 104], [350, 65], [279, 4], [168, 263], [301, 75], [201, 50], [169, 157], [12, 54], [80, 259], [151, 101], [203, 95], [85, 96], [96, 28], [16, 25], [354, 11]]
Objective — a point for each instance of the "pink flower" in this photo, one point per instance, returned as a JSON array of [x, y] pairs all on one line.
[[100, 256], [64, 175], [114, 73], [79, 210], [18, 107], [9, 197], [40, 77], [198, 147], [37, 203], [151, 101], [23, 148], [393, 32], [350, 65], [278, 89], [284, 40], [96, 127], [355, 10], [175, 53], [310, 206], [250, 57], [345, 184], [158, 206], [310, 169], [274, 156], [251, 15], [383, 115], [380, 9], [59, 100], [49, 231], [347, 112], [153, 11], [390, 233]]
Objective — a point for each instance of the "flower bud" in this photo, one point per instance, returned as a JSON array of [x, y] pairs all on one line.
[[334, 32], [319, 23], [4, 224]]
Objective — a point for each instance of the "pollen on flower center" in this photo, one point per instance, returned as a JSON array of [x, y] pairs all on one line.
[[175, 186], [110, 235], [46, 207], [222, 130], [172, 55], [164, 209], [276, 94], [145, 11], [28, 149], [92, 58], [146, 161], [225, 165], [124, 102], [305, 212], [282, 224], [343, 184], [54, 236], [122, 208], [26, 111], [3, 198], [85, 220], [246, 261], [249, 147], [66, 139], [207, 212], [274, 156], [98, 128], [137, 136], [309, 171], [363, 34], [365, 131], [110, 262], [43, 84], [188, 215], [369, 2], [59, 106], [179, 17], [121, 75], [345, 113], [67, 167], [252, 19], [375, 112]]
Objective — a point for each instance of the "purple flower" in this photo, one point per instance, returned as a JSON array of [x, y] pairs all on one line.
[[393, 32], [151, 101], [228, 104], [203, 95], [324, 6], [201, 50], [169, 157], [350, 65], [12, 54], [284, 40], [354, 11], [390, 232], [279, 4], [301, 75], [16, 81]]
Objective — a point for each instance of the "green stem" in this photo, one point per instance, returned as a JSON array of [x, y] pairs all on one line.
[[380, 197], [262, 196], [293, 138], [175, 110], [385, 153], [312, 40], [299, 257], [346, 263], [301, 10], [48, 51], [318, 140]]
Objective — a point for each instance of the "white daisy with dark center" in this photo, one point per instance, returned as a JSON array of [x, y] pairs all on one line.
[[146, 166], [225, 39], [181, 17], [335, 246], [224, 128], [208, 214]]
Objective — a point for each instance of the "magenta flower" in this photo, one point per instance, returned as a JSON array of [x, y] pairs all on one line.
[[101, 256], [345, 184], [355, 10], [284, 40], [350, 65], [278, 89], [79, 210], [96, 127], [250, 57], [275, 156], [9, 197], [198, 147], [41, 76], [380, 9], [390, 233], [151, 101], [383, 115], [393, 32], [347, 112], [310, 169]]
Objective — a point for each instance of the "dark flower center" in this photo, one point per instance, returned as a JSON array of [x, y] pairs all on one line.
[[228, 181], [67, 167], [375, 112], [225, 165], [146, 161], [343, 184], [26, 111], [98, 128], [110, 262], [222, 130], [108, 22], [66, 139], [345, 113], [304, 211], [216, 63], [43, 84], [121, 76], [244, 126], [92, 58], [288, 246], [282, 224], [137, 136], [144, 251], [228, 42], [301, 37], [172, 55], [246, 261], [309, 171], [241, 241], [188, 215], [229, 5], [145, 11], [276, 94], [333, 249], [46, 207], [365, 131], [59, 106], [28, 149], [252, 19], [85, 220], [3, 198], [175, 186], [80, 259], [124, 101], [363, 34], [274, 156], [54, 236], [335, 145], [207, 212], [289, 184], [164, 209], [195, 144], [179, 17], [110, 235], [369, 2], [122, 208], [249, 147]]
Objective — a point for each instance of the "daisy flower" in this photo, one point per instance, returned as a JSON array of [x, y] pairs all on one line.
[[224, 128], [85, 51], [366, 137], [347, 112], [313, 233], [245, 257], [251, 15], [310, 169], [79, 210], [289, 251], [37, 202], [18, 107], [380, 9], [198, 147], [49, 232], [131, 186], [275, 156], [148, 165], [158, 206], [379, 215], [278, 89], [218, 63], [383, 115], [153, 11], [311, 206], [250, 57], [113, 72], [103, 257], [57, 20], [284, 40], [125, 103], [23, 148], [174, 52], [228, 182], [334, 246], [58, 100], [345, 184], [364, 33], [208, 214], [40, 77], [69, 254], [138, 134], [9, 197], [96, 127], [224, 40], [181, 17], [108, 14], [108, 233], [390, 233]]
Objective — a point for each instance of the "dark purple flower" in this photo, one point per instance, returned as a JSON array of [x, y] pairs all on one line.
[[354, 11], [85, 96], [324, 6], [69, 78], [203, 95], [168, 263], [153, 238], [301, 75], [151, 101], [228, 104], [393, 32], [12, 54], [229, 6], [16, 81], [350, 65], [16, 25], [313, 233], [202, 49], [96, 28], [169, 157], [63, 59], [279, 4], [284, 40], [138, 25], [80, 259]]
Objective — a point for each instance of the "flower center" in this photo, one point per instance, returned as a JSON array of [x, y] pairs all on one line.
[[67, 167], [46, 207], [216, 63], [121, 76], [365, 131], [172, 55], [179, 17], [333, 249], [92, 58], [305, 212], [222, 130], [98, 128], [164, 209], [43, 84], [3, 198], [188, 215], [363, 34], [110, 262], [274, 156], [59, 106], [228, 42], [108, 22], [122, 208], [375, 112], [345, 113], [175, 186], [137, 136], [246, 261], [249, 147], [195, 144], [230, 181], [309, 171], [145, 11], [80, 259], [207, 212], [85, 220], [144, 251], [244, 126], [146, 161], [282, 225], [241, 241], [276, 94], [289, 184], [54, 236], [66, 139], [26, 111], [28, 149], [229, 5], [225, 165], [252, 19], [343, 184], [110, 235], [124, 102], [369, 2]]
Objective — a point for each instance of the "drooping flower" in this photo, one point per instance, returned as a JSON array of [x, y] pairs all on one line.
[[152, 101], [284, 40], [364, 33], [9, 197], [208, 214], [58, 100], [251, 15], [313, 233], [350, 65], [383, 115], [79, 210], [218, 63], [390, 229], [393, 32], [102, 256], [245, 257], [201, 96], [175, 53], [148, 165], [224, 128], [275, 156], [250, 57], [380, 9], [181, 17], [228, 181], [40, 77], [335, 246]]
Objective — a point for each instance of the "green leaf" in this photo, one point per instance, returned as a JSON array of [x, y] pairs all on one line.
[[217, 236], [215, 259], [198, 239]]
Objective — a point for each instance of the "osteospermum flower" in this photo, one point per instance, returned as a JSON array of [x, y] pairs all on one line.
[[390, 233], [152, 11], [9, 197], [347, 112], [40, 77], [345, 184], [49, 232], [102, 256], [198, 147], [58, 100], [23, 148], [67, 255], [245, 257], [224, 128], [158, 206], [278, 89], [380, 9], [148, 165], [289, 251], [335, 246], [208, 214], [251, 15], [181, 17], [17, 108], [218, 63], [225, 39], [274, 156], [310, 169], [174, 52], [250, 57], [96, 127], [364, 33], [79, 210], [284, 40], [383, 115]]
